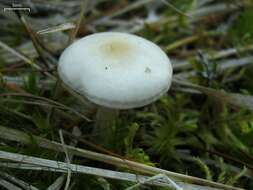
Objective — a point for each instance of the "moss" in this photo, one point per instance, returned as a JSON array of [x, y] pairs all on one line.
[[241, 31]]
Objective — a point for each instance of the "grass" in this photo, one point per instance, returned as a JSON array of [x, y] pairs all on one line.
[[203, 126]]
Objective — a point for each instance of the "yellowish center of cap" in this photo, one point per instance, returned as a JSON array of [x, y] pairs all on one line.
[[116, 48]]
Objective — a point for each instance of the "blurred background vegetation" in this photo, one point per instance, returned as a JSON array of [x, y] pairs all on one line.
[[202, 127]]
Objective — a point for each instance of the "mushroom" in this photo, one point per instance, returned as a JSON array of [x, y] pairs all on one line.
[[115, 71]]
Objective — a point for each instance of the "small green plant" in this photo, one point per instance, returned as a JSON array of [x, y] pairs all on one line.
[[205, 169], [242, 30], [170, 128]]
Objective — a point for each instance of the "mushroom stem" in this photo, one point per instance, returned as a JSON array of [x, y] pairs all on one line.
[[105, 118]]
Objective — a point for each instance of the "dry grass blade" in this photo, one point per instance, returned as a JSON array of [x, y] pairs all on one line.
[[209, 43], [194, 16], [24, 58], [227, 64], [34, 39], [61, 27], [58, 183], [188, 40], [67, 159], [8, 185], [63, 167], [129, 7], [75, 31], [17, 136], [17, 181], [174, 8], [218, 55], [16, 53], [235, 99], [231, 51], [171, 183], [48, 101]]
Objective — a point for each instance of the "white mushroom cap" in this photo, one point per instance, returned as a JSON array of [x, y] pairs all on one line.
[[116, 70]]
